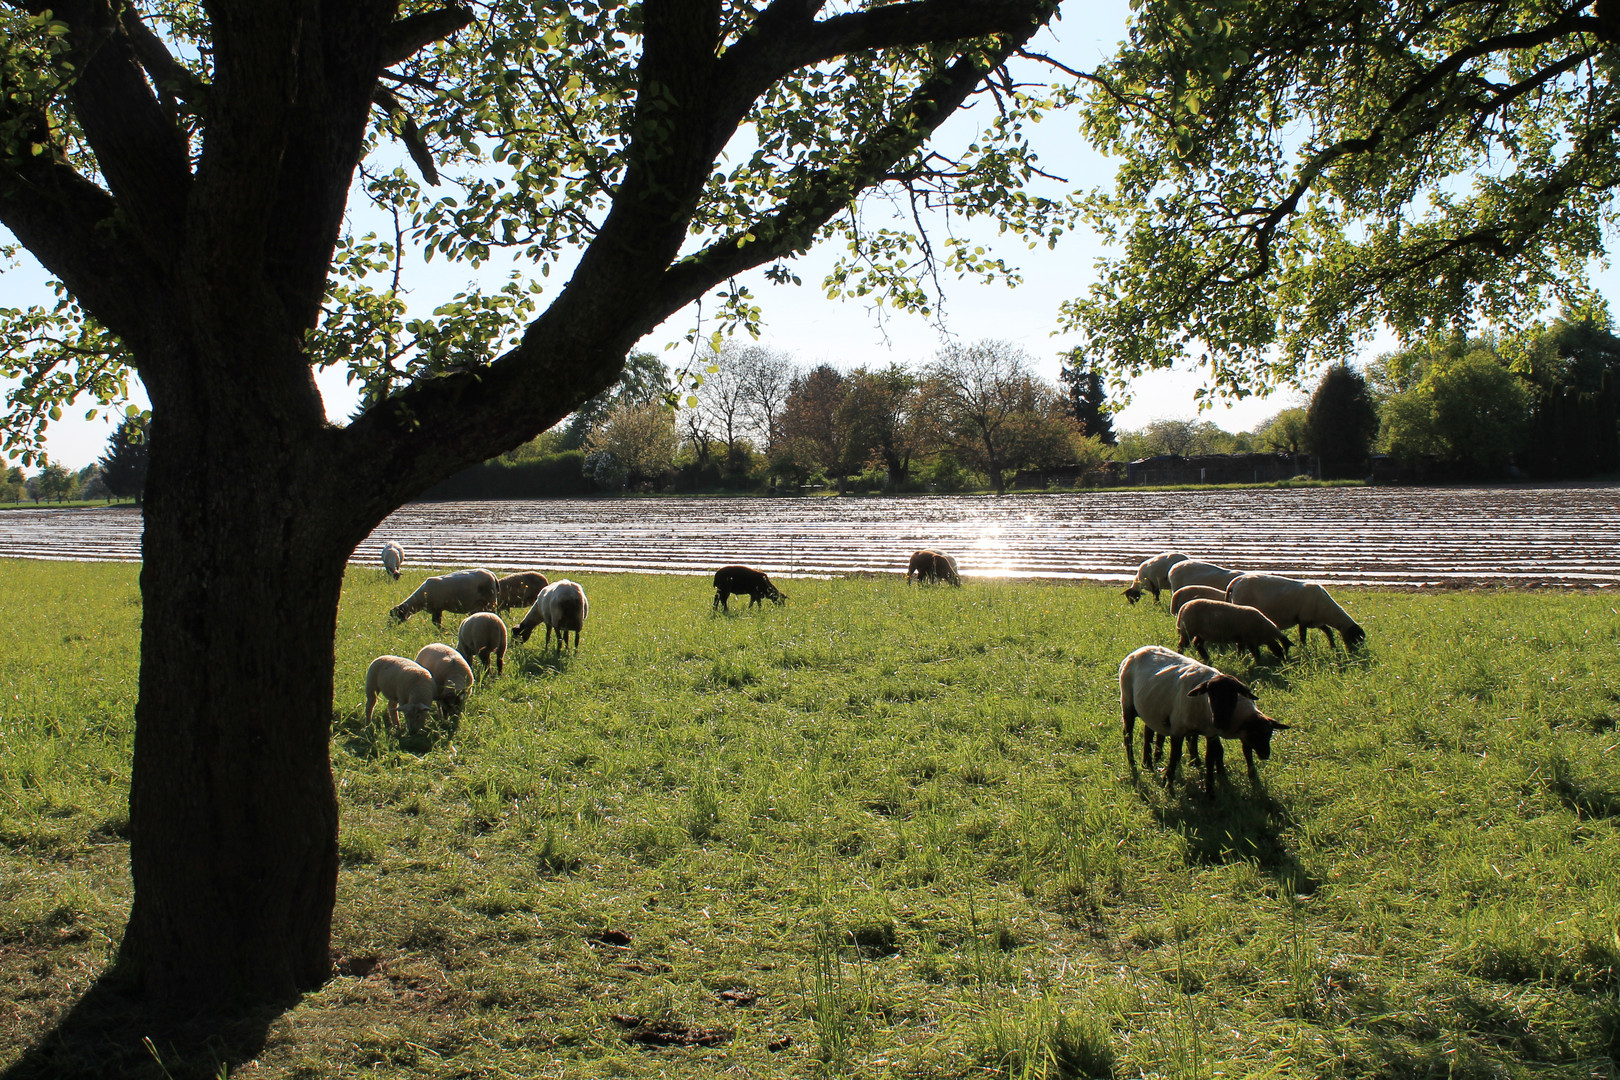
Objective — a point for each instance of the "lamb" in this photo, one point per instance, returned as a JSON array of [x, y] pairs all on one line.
[[393, 557], [931, 566], [1287, 602], [1177, 696], [1153, 574], [1206, 622], [463, 591], [519, 590], [1192, 572], [740, 580], [452, 676], [407, 685], [1181, 596], [562, 607], [483, 635]]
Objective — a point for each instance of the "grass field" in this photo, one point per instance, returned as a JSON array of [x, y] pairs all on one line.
[[889, 832]]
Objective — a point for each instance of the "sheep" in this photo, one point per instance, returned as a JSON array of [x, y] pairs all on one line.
[[1287, 602], [1153, 574], [1177, 696], [562, 607], [452, 676], [407, 685], [933, 566], [393, 557], [738, 580], [463, 591], [483, 635], [1193, 572], [1181, 596], [519, 590], [1205, 622]]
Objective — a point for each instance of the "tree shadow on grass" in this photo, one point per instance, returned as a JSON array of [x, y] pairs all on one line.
[[1239, 826], [109, 1034]]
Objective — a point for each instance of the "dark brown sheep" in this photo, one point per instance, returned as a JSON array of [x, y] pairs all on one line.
[[732, 581], [933, 566]]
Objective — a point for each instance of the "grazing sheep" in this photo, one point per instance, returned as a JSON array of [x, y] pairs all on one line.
[[740, 580], [1215, 622], [407, 685], [562, 607], [1287, 602], [483, 635], [464, 591], [1179, 697], [393, 557], [1200, 573], [1153, 574], [452, 676], [932, 566], [519, 590], [1181, 596]]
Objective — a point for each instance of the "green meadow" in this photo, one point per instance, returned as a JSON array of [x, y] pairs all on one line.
[[889, 831]]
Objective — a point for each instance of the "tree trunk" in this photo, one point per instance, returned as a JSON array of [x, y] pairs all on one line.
[[232, 809]]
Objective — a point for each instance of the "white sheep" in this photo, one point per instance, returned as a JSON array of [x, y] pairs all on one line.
[[452, 677], [1287, 602], [1193, 572], [562, 607], [1186, 593], [407, 685], [1179, 698], [483, 636], [463, 591], [1215, 622], [1153, 574], [393, 557]]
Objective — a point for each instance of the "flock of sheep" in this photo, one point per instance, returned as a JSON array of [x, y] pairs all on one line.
[[1179, 698], [1176, 697]]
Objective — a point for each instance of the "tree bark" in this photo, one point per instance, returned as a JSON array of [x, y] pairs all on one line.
[[233, 813]]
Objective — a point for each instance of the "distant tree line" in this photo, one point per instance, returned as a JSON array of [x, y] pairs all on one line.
[[1546, 401]]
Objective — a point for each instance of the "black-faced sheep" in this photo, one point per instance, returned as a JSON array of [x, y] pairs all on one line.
[[930, 566], [519, 590], [393, 557], [1182, 596], [562, 607], [464, 591], [1287, 602], [744, 581], [1178, 697], [1215, 622], [452, 676], [1192, 572], [1153, 574], [407, 685], [483, 636]]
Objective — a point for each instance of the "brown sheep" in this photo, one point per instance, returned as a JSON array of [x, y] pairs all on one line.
[[933, 566], [519, 590]]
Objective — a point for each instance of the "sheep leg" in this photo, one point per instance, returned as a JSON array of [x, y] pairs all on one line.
[[1203, 650], [1130, 731], [1214, 762], [1192, 749], [438, 620], [719, 601], [1302, 635], [1175, 762], [371, 701], [1328, 630], [1254, 772]]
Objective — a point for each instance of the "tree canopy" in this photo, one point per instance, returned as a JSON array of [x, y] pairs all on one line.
[[1293, 174]]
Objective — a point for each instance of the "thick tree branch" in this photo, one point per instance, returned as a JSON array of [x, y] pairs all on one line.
[[167, 73], [413, 33], [69, 225], [409, 134]]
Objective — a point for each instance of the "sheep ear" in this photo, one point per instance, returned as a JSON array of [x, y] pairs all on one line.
[[1278, 725], [1202, 688]]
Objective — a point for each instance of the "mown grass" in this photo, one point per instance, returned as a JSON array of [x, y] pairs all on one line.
[[889, 831]]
